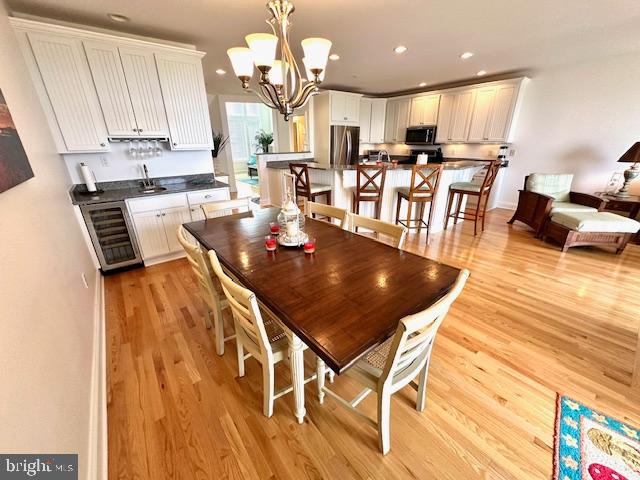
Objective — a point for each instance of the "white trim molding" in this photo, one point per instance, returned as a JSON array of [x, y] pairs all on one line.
[[97, 462]]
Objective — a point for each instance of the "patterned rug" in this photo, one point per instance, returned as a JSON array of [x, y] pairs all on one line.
[[592, 446]]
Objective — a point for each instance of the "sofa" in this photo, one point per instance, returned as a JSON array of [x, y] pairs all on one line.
[[546, 194]]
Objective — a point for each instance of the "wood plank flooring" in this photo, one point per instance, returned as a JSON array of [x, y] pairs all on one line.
[[531, 322]]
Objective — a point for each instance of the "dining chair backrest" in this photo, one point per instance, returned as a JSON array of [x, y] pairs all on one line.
[[329, 211], [300, 172], [370, 180], [493, 168], [397, 232], [201, 268], [424, 181], [244, 307], [411, 345], [221, 208]]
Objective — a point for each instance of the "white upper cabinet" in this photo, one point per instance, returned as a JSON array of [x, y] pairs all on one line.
[[493, 113], [424, 110], [185, 100], [397, 120], [64, 72], [144, 90], [378, 111], [365, 120], [454, 116], [344, 108]]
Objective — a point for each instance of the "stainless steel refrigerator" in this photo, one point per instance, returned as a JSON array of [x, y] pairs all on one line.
[[344, 145]]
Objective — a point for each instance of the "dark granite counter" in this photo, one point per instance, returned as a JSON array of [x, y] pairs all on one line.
[[121, 190], [449, 164]]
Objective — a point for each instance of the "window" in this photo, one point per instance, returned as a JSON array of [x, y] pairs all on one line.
[[245, 121]]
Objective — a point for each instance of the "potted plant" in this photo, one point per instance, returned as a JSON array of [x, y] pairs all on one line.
[[264, 139], [219, 142]]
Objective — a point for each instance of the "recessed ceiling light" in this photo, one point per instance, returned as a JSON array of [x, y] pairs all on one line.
[[116, 17], [400, 49], [481, 73], [334, 56], [221, 71], [422, 84], [466, 55]]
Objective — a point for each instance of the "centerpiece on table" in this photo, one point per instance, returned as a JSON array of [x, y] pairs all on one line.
[[291, 221]]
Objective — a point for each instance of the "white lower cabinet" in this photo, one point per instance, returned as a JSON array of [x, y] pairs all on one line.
[[198, 198]]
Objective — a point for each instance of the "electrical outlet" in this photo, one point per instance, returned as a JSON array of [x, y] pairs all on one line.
[[104, 161], [84, 281]]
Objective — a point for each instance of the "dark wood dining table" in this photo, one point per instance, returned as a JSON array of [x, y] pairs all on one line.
[[341, 301]]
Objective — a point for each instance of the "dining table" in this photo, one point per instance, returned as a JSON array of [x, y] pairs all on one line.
[[340, 301]]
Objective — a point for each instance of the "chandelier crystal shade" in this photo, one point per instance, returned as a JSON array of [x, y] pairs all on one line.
[[281, 85]]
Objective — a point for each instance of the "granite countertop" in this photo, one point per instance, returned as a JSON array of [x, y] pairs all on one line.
[[449, 164], [121, 190]]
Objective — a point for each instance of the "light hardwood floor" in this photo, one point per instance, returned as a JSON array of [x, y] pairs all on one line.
[[531, 322]]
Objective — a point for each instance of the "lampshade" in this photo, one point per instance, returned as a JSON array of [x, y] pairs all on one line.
[[632, 155], [316, 51], [263, 48], [241, 61], [309, 73], [275, 74]]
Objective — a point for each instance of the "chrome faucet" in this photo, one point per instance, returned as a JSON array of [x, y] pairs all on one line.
[[381, 153], [146, 182]]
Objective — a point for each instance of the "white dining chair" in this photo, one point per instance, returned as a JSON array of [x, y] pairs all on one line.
[[340, 214], [211, 291], [225, 207], [257, 332], [398, 233], [396, 362]]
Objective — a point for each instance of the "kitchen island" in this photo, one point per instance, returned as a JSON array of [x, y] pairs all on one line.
[[342, 180]]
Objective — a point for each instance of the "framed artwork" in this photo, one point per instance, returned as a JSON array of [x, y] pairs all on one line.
[[14, 164]]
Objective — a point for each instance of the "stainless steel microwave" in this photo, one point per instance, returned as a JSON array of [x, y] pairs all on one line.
[[423, 135]]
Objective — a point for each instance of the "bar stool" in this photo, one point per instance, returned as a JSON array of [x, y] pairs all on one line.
[[304, 187], [481, 191], [422, 190], [369, 187]]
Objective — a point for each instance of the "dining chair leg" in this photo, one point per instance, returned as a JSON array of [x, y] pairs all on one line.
[[421, 216], [448, 211], [332, 376], [378, 209], [296, 357], [475, 218], [421, 401], [240, 350], [267, 387], [218, 322], [320, 374], [398, 205], [458, 208], [384, 406], [484, 210], [328, 198], [430, 221], [409, 208]]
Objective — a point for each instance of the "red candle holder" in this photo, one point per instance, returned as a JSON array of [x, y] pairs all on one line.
[[270, 243], [274, 228], [378, 162], [310, 245]]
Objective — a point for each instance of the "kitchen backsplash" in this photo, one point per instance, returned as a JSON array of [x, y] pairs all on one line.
[[119, 165]]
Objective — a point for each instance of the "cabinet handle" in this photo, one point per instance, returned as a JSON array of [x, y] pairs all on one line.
[[134, 129], [158, 215], [139, 130], [103, 144], [163, 214], [345, 118], [175, 144], [207, 196]]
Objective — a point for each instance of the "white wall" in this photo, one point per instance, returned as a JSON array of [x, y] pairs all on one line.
[[46, 314], [578, 119], [120, 165]]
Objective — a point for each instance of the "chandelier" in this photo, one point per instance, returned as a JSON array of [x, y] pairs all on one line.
[[281, 85]]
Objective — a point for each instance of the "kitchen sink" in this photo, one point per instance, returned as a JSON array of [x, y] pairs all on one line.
[[152, 189]]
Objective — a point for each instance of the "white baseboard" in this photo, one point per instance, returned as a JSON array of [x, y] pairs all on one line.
[[164, 258], [97, 461], [507, 205]]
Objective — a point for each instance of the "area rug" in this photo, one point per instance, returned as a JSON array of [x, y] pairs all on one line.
[[592, 446], [250, 181]]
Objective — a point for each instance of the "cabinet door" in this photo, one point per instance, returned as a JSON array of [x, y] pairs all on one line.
[[461, 118], [67, 81], [172, 218], [402, 121], [502, 113], [478, 130], [352, 108], [185, 101], [378, 110], [445, 117], [417, 106], [390, 121], [338, 108], [151, 234], [144, 89], [111, 86], [365, 120], [430, 110]]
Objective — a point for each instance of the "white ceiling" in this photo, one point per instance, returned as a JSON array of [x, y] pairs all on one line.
[[505, 35]]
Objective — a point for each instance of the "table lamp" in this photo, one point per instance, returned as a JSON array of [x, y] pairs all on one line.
[[631, 156]]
